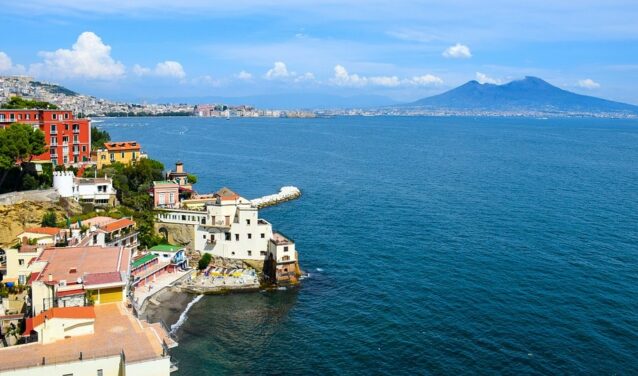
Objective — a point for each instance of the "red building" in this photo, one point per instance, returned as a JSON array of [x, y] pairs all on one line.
[[68, 139]]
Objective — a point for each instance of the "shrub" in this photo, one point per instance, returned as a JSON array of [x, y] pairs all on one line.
[[204, 261]]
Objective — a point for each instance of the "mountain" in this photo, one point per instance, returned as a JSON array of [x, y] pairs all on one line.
[[529, 94]]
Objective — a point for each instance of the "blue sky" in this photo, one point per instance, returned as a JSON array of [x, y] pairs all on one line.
[[404, 50]]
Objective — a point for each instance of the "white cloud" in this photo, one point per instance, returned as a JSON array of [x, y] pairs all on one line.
[[425, 80], [485, 79], [166, 68], [412, 35], [243, 75], [308, 76], [343, 78], [89, 57], [279, 70], [458, 51], [588, 83], [5, 62]]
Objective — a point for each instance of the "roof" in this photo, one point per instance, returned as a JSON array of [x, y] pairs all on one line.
[[166, 248], [122, 145], [59, 313], [98, 221], [102, 278], [142, 260], [44, 230], [60, 294], [164, 182], [117, 225], [72, 263], [137, 340], [227, 194], [279, 239]]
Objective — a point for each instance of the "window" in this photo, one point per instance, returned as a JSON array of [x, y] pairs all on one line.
[[66, 116], [171, 197], [54, 116], [236, 237], [19, 116], [285, 258], [262, 253], [250, 253], [285, 249], [83, 148], [75, 139], [66, 127], [250, 236], [263, 235], [248, 222], [21, 262], [122, 154], [100, 372], [27, 116], [204, 236], [112, 157], [54, 129], [227, 234]]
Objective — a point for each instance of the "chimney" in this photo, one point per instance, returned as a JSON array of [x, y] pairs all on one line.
[[179, 167], [25, 240], [50, 277]]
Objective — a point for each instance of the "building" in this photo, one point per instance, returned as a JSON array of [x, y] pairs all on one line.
[[77, 276], [43, 236], [95, 191], [228, 225], [165, 194], [18, 261], [103, 340], [111, 232], [68, 139], [179, 176], [125, 152], [174, 254]]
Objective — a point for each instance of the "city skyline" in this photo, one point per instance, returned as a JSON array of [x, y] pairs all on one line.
[[154, 50]]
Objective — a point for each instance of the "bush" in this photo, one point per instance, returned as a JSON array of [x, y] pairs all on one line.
[[49, 219], [204, 261]]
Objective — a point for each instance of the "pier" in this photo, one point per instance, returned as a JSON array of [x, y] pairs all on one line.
[[285, 194]]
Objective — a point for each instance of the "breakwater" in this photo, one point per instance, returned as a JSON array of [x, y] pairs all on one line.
[[285, 194]]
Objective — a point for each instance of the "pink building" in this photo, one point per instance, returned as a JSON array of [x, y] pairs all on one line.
[[165, 194]]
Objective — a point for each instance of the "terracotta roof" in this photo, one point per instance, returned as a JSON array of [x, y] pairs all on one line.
[[102, 278], [60, 294], [72, 263], [43, 230], [122, 145], [61, 313], [227, 194], [117, 225]]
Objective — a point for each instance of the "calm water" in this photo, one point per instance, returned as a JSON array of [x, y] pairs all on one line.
[[434, 246]]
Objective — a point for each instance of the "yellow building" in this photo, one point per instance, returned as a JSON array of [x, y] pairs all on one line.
[[125, 152]]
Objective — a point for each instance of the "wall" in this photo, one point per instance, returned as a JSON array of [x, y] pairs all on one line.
[[110, 366], [153, 367]]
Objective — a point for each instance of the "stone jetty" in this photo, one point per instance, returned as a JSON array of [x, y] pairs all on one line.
[[285, 194]]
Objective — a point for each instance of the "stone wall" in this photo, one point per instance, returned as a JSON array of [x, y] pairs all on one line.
[[177, 233]]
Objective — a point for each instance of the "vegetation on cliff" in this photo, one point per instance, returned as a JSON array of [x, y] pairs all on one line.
[[18, 103]]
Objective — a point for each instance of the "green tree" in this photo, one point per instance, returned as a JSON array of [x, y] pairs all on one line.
[[19, 143], [192, 179], [16, 103], [98, 138], [49, 219], [204, 261]]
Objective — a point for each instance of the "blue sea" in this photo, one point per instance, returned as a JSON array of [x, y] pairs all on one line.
[[434, 246]]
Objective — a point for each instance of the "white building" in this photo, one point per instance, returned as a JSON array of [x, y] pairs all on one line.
[[96, 191], [229, 226]]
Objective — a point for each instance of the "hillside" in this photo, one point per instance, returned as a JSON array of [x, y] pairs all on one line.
[[528, 94]]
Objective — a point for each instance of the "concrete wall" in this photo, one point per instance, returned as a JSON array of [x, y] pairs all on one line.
[[110, 366], [153, 367]]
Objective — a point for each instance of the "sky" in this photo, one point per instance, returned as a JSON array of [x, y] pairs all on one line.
[[147, 50]]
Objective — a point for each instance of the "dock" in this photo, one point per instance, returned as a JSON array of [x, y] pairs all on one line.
[[285, 194]]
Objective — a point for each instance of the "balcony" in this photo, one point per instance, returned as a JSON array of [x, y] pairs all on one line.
[[53, 131], [76, 130]]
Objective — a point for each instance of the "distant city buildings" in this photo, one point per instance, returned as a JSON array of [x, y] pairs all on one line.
[[225, 111]]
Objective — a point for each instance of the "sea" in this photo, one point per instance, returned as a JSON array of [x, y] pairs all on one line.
[[432, 245]]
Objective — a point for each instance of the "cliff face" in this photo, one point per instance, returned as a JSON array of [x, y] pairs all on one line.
[[176, 233], [15, 218]]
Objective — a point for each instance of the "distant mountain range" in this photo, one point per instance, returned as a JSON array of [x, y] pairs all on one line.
[[530, 94]]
